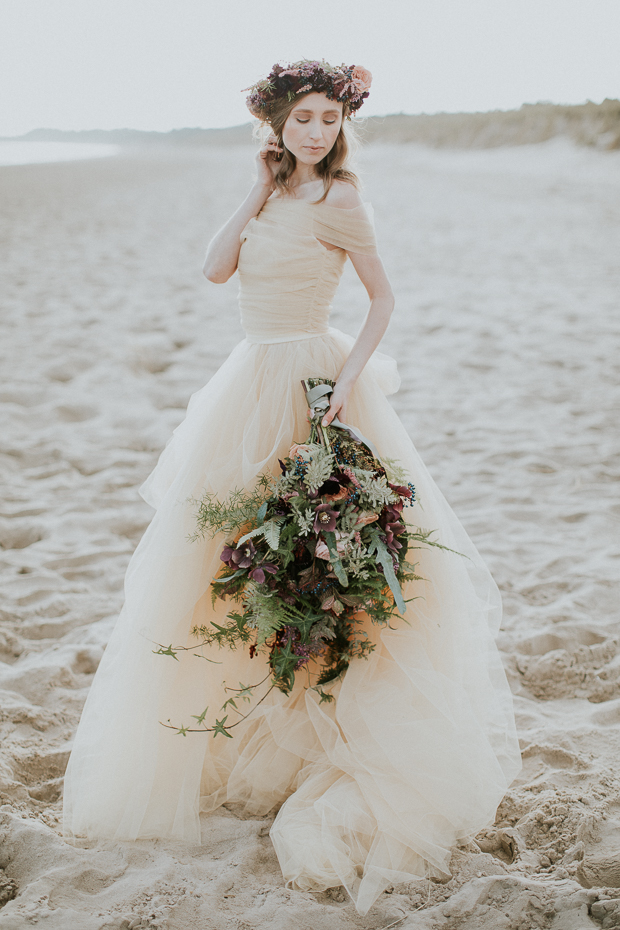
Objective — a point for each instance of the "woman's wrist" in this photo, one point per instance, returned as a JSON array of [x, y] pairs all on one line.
[[345, 383], [262, 190]]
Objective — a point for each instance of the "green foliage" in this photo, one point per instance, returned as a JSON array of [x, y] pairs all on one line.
[[214, 516], [298, 605], [287, 544], [385, 559], [270, 530], [283, 663], [319, 468], [272, 533], [375, 492], [341, 575], [168, 651], [305, 518], [265, 614], [231, 634], [220, 727], [395, 472]]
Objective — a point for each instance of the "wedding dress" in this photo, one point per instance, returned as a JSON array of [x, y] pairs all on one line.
[[419, 746]]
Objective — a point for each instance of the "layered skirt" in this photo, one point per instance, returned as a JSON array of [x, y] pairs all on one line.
[[419, 745]]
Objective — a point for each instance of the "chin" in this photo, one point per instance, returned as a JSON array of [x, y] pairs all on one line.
[[311, 159], [305, 155]]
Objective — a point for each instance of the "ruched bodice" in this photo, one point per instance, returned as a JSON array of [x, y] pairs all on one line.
[[287, 277]]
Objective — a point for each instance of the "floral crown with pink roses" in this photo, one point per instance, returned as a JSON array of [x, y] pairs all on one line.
[[348, 84]]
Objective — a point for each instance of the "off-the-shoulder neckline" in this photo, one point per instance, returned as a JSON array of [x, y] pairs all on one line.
[[323, 206]]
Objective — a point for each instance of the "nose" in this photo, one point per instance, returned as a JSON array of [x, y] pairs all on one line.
[[316, 132]]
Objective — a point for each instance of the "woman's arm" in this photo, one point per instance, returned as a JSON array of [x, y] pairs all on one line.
[[372, 275], [223, 252]]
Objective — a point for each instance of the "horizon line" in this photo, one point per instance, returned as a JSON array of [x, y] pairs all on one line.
[[360, 119]]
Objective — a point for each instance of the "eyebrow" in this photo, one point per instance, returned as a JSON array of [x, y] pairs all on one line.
[[325, 112]]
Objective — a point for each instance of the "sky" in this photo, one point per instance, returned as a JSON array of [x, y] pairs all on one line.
[[166, 64]]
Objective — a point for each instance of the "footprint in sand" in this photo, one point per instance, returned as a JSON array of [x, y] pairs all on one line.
[[76, 413], [591, 672], [68, 369], [23, 396], [152, 359], [20, 535], [42, 774]]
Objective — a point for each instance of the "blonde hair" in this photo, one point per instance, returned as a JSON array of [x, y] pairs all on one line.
[[337, 163]]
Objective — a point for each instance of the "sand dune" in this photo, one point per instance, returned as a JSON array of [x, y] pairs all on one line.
[[505, 267], [590, 124]]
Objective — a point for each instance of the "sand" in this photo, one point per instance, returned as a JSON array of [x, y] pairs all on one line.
[[505, 267]]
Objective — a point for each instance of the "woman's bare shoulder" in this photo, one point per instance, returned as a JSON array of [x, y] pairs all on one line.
[[343, 194]]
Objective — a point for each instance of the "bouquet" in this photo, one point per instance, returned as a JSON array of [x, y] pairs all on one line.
[[308, 555]]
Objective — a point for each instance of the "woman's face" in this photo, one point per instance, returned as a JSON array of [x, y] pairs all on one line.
[[312, 128]]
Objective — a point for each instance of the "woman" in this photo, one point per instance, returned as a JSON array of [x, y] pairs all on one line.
[[419, 745]]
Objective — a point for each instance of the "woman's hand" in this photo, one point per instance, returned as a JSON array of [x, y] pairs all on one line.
[[338, 404], [267, 161]]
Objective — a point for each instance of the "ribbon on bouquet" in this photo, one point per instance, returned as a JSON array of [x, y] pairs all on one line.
[[318, 402]]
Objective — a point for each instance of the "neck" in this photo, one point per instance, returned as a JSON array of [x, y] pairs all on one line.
[[303, 174]]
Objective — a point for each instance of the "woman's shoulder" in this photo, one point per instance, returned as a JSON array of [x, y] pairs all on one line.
[[343, 194], [348, 226]]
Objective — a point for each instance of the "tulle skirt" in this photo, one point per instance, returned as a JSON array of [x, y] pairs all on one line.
[[419, 745]]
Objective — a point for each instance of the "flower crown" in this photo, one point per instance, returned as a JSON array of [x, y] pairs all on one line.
[[345, 83]]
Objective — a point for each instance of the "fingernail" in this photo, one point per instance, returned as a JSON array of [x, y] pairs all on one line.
[[324, 422]]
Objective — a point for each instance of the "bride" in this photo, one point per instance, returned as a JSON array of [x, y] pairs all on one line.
[[419, 745]]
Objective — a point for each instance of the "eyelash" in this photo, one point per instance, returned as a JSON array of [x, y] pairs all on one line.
[[327, 122]]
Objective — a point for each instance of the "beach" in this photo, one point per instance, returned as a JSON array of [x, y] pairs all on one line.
[[504, 263]]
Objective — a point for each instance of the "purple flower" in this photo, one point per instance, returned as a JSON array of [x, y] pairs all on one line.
[[391, 531], [304, 651], [258, 574], [243, 555], [325, 519], [226, 555], [391, 514], [401, 489], [406, 492]]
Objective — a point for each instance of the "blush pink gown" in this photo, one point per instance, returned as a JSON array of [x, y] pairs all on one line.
[[419, 746]]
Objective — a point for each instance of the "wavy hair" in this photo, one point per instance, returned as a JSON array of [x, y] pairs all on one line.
[[337, 163]]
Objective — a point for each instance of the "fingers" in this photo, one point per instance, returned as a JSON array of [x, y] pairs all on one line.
[[271, 147], [337, 407], [335, 410]]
